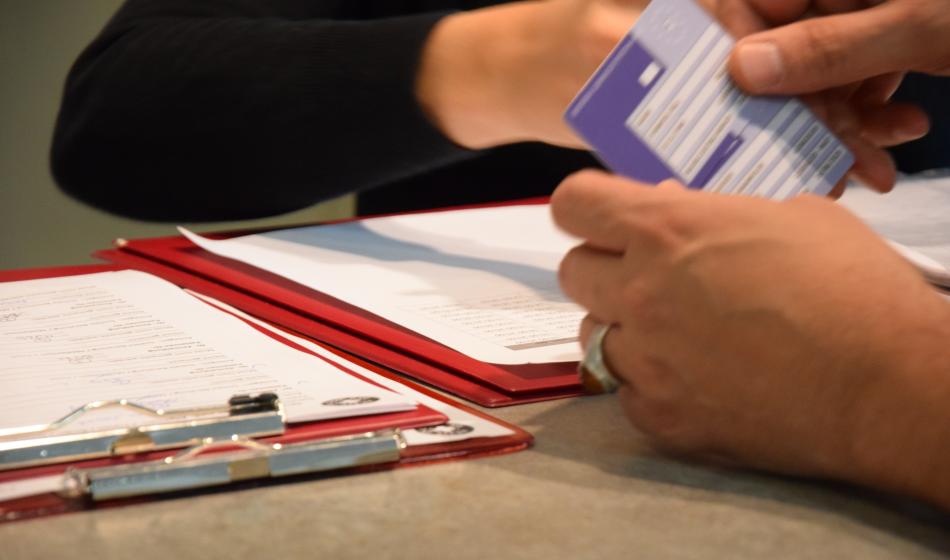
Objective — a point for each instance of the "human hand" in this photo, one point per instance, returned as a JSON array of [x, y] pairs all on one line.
[[505, 74], [848, 62], [784, 336], [872, 39]]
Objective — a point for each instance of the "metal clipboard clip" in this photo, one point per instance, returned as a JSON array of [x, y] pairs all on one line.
[[244, 416], [192, 469]]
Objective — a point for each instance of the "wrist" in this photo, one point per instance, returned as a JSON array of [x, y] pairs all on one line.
[[901, 437], [462, 80]]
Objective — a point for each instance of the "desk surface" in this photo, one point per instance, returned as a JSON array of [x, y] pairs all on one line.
[[589, 488]]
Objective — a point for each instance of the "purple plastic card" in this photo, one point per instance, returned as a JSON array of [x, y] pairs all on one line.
[[662, 105]]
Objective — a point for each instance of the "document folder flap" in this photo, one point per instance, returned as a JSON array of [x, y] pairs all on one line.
[[343, 316], [351, 328], [325, 322]]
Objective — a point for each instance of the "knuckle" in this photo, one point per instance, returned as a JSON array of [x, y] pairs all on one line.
[[566, 272], [657, 228], [824, 47], [572, 191], [634, 300], [604, 34], [738, 16], [646, 306], [669, 223], [678, 221]]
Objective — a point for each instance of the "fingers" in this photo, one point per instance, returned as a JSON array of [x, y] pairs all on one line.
[[594, 279], [878, 90], [838, 189], [611, 347], [824, 52], [872, 165], [777, 12], [864, 132], [864, 109], [893, 124], [838, 6], [596, 206], [738, 17]]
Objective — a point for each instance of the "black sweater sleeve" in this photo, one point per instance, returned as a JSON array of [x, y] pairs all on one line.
[[195, 110]]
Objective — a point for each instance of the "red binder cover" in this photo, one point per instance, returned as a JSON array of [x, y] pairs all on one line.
[[344, 326], [50, 504]]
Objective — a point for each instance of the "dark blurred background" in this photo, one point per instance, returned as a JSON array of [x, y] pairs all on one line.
[[39, 226]]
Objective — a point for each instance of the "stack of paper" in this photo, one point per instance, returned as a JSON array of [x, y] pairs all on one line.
[[66, 342], [481, 281], [914, 217]]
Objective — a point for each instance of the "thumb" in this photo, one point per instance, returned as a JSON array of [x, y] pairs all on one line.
[[824, 52]]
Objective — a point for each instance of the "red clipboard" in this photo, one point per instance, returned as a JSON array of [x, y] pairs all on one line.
[[344, 326], [49, 504]]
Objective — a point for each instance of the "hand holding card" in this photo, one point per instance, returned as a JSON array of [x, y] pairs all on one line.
[[663, 105]]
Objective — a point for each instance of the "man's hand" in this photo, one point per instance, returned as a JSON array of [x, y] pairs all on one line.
[[785, 336], [836, 50], [847, 59]]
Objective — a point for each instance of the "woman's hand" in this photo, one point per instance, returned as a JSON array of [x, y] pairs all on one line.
[[506, 74]]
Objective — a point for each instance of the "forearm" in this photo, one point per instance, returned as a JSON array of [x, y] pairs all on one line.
[[237, 115]]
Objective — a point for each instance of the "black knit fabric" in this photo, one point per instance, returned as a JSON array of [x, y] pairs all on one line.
[[202, 110], [188, 110]]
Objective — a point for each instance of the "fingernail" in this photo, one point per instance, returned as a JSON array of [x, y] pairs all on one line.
[[844, 122], [913, 132], [761, 65]]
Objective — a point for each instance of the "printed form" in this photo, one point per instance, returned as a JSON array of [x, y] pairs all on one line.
[[68, 341], [663, 105], [461, 425], [481, 281]]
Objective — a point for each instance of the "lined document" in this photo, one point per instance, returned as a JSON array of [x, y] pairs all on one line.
[[481, 281], [68, 341], [461, 425]]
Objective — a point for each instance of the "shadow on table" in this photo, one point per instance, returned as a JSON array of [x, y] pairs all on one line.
[[593, 431]]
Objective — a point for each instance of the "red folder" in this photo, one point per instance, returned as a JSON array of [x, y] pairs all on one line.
[[344, 326], [47, 504]]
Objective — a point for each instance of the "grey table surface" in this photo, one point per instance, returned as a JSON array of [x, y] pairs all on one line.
[[589, 488]]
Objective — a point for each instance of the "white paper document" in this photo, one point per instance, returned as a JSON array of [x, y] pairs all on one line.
[[914, 217], [68, 341], [461, 425], [480, 281]]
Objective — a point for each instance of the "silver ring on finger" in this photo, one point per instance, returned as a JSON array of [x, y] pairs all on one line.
[[594, 374]]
